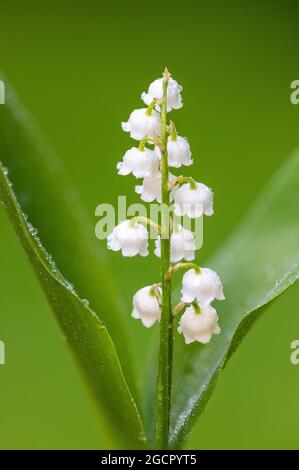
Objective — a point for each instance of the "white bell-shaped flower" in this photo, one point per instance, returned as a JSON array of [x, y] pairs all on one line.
[[130, 237], [151, 187], [203, 286], [155, 91], [179, 152], [182, 245], [146, 306], [193, 200], [140, 163], [142, 124], [199, 326]]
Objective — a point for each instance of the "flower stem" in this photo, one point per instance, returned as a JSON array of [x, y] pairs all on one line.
[[151, 107], [166, 325], [145, 141], [177, 267], [146, 221], [182, 179], [178, 308]]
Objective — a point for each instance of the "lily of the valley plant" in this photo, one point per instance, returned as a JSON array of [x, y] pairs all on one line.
[[259, 261], [160, 147]]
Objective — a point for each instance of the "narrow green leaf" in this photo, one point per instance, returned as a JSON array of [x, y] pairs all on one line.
[[54, 208], [86, 334], [257, 264]]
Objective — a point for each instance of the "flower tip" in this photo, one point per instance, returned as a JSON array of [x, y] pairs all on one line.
[[166, 74]]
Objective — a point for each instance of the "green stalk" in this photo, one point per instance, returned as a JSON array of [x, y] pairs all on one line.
[[180, 266], [164, 379]]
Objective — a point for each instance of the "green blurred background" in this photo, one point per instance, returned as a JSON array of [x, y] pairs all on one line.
[[79, 67]]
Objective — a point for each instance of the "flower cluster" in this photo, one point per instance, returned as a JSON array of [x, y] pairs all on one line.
[[200, 286]]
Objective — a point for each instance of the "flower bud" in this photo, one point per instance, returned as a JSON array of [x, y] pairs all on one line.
[[155, 91], [193, 200], [178, 151], [199, 326], [182, 245], [130, 237], [141, 124], [203, 286], [140, 163], [151, 187], [146, 306]]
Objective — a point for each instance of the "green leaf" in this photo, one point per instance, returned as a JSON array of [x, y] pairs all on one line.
[[54, 208], [256, 265], [86, 334]]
